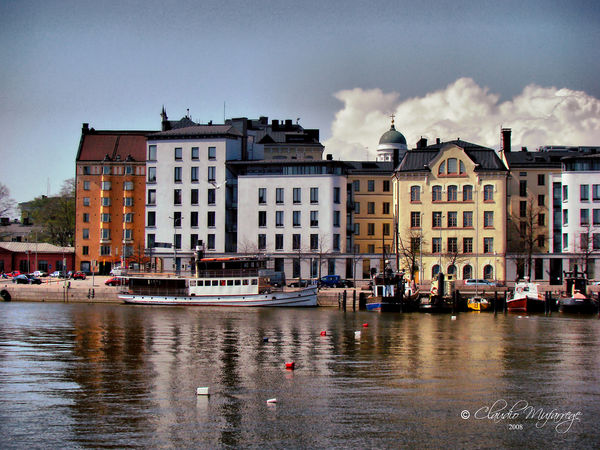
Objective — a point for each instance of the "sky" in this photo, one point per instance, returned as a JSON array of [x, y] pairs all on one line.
[[445, 69]]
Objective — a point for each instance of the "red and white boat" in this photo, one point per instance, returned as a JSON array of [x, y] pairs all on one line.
[[526, 298]]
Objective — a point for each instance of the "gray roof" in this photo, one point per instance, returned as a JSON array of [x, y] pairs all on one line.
[[198, 131], [32, 247], [419, 159], [370, 167]]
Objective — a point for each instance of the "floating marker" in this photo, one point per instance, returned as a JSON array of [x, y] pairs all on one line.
[[357, 334], [453, 318], [272, 400], [265, 339], [365, 325], [323, 333], [290, 365], [520, 317], [202, 391]]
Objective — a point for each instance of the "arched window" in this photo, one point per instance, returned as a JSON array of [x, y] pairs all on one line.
[[415, 193], [452, 166], [452, 269], [467, 272], [488, 193], [436, 194], [462, 169], [488, 272], [452, 193], [434, 271], [467, 193], [442, 169]]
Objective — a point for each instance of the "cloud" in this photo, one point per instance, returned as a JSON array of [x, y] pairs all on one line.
[[537, 116]]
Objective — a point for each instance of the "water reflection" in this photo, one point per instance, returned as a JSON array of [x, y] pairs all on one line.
[[114, 375]]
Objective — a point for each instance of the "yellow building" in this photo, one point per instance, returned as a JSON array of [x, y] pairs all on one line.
[[450, 199]]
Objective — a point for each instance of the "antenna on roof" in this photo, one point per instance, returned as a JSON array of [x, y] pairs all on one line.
[[223, 111], [188, 113]]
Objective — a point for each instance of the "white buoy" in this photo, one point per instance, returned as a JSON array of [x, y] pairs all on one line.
[[357, 334], [453, 318], [272, 400], [202, 391], [519, 317]]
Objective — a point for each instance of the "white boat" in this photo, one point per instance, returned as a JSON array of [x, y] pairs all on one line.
[[237, 281], [526, 298]]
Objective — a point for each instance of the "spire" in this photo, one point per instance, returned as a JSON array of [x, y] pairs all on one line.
[[392, 127], [165, 120]]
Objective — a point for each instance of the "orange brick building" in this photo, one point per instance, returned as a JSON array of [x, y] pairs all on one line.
[[110, 199]]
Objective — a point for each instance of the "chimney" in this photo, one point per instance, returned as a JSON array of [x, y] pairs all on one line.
[[329, 157], [422, 143], [506, 140], [437, 140], [85, 128]]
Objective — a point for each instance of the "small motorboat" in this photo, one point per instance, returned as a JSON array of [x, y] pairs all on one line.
[[478, 303], [576, 299], [526, 298]]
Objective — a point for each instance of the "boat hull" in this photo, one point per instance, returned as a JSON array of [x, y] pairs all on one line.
[[526, 304], [577, 305], [379, 304], [305, 297]]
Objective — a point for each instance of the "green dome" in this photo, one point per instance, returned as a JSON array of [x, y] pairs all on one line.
[[392, 137]]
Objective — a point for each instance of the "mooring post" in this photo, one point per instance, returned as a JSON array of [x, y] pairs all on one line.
[[505, 307], [496, 302], [344, 296], [339, 300], [354, 300]]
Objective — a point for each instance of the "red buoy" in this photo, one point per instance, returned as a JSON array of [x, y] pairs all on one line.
[[323, 333], [365, 325], [290, 365]]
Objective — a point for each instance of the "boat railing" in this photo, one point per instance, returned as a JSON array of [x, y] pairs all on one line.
[[225, 273]]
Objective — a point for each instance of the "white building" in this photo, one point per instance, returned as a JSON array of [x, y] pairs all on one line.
[[294, 211]]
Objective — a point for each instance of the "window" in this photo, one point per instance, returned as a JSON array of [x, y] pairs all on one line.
[[541, 241], [314, 195], [151, 174], [128, 186], [488, 272], [488, 219], [85, 250], [371, 248], [210, 219], [296, 218], [296, 242], [262, 241], [151, 240], [297, 195], [105, 250], [452, 193], [279, 242], [541, 179], [194, 174], [596, 241], [488, 193], [356, 185], [152, 153], [371, 229], [194, 196], [462, 168], [127, 234], [596, 192], [86, 185], [565, 240], [105, 218], [336, 195], [193, 241], [151, 219], [371, 208], [262, 218], [386, 185], [106, 185], [467, 193], [523, 229], [86, 217], [178, 153], [128, 170], [279, 196], [262, 196], [212, 194], [415, 193], [583, 242], [336, 218], [357, 228], [488, 245], [467, 219], [467, 272], [152, 196], [105, 201], [128, 217], [128, 201], [565, 193], [195, 157], [336, 242], [314, 241], [386, 229], [436, 219], [194, 219], [177, 196], [210, 241], [436, 194], [565, 216], [523, 188], [584, 192], [177, 219], [278, 218], [386, 208], [584, 217], [105, 170], [105, 234], [371, 185], [212, 173], [541, 200], [452, 245], [596, 216], [415, 219], [442, 168], [523, 209], [452, 219], [85, 233], [415, 244], [436, 245], [542, 220], [212, 153], [452, 166], [177, 174], [468, 245]]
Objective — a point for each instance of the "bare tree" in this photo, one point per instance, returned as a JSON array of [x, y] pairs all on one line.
[[321, 251], [7, 204], [247, 247], [527, 231], [410, 247], [587, 247]]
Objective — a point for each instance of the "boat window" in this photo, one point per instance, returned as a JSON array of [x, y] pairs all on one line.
[[200, 283], [229, 282], [254, 282], [238, 282], [215, 282], [245, 282], [222, 282]]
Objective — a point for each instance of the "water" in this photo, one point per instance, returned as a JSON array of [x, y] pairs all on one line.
[[77, 375]]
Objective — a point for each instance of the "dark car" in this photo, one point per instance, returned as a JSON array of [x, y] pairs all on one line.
[[299, 283], [334, 281], [78, 276], [26, 279]]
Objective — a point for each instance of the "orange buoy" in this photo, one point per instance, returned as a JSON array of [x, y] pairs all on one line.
[[290, 365], [365, 325], [323, 333]]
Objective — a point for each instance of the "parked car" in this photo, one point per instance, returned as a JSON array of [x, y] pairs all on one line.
[[39, 273], [118, 271], [299, 283], [26, 279], [78, 276], [480, 282], [334, 281], [116, 281], [58, 274]]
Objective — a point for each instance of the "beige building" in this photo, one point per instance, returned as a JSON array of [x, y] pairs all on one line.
[[450, 199]]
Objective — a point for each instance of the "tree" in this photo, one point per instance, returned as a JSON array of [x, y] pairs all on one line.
[[589, 244], [527, 231], [410, 246], [56, 215], [7, 204]]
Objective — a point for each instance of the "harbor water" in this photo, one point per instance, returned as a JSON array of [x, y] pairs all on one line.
[[103, 375]]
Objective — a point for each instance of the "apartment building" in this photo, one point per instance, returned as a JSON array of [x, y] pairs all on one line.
[[110, 192]]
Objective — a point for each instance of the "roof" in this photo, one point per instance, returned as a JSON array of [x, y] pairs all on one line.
[[392, 137], [96, 145], [549, 158], [33, 247], [418, 159], [370, 167], [197, 131]]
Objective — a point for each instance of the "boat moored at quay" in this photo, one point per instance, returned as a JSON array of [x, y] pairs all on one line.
[[234, 281]]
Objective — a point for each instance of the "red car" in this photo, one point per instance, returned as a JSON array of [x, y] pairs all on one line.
[[116, 281], [78, 276]]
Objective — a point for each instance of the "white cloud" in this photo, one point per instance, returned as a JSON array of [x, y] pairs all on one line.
[[538, 116]]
